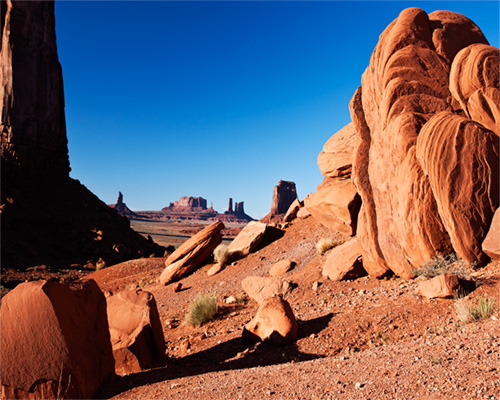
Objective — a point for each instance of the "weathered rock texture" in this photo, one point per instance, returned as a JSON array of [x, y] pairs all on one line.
[[274, 321], [54, 338], [445, 285], [192, 253], [136, 331], [47, 218], [344, 261], [491, 244], [425, 163], [260, 288], [247, 240], [284, 195]]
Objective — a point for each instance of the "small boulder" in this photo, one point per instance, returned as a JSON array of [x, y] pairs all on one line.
[[344, 261], [136, 332], [291, 214], [274, 321], [247, 240], [192, 253], [177, 287], [260, 288], [442, 286], [303, 213], [281, 267], [54, 338], [491, 243]]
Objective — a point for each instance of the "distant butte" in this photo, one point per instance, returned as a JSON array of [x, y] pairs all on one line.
[[187, 208]]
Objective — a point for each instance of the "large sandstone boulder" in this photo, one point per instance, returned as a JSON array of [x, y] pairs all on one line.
[[54, 338], [247, 240], [192, 253], [274, 321], [335, 204], [136, 331], [460, 159], [403, 221], [491, 244], [260, 288], [344, 261], [337, 155]]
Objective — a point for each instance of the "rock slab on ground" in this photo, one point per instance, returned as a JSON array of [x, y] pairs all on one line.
[[344, 261], [260, 288], [192, 253], [445, 285], [247, 240]]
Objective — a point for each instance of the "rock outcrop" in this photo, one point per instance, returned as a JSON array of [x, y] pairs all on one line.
[[187, 203], [136, 331], [274, 322], [284, 195], [55, 341], [47, 218], [122, 208], [192, 253], [425, 161]]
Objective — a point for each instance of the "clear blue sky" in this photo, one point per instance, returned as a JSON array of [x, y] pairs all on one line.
[[216, 99]]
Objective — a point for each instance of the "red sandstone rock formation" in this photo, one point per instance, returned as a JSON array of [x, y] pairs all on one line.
[[283, 196], [47, 218], [425, 163], [122, 208], [55, 339], [274, 321], [192, 253], [136, 331]]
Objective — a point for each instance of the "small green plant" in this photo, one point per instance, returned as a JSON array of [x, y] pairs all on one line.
[[100, 264], [221, 255], [469, 311], [444, 264], [241, 298], [326, 244], [202, 309]]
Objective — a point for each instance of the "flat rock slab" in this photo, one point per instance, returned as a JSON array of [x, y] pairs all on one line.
[[344, 261], [247, 240], [441, 286], [260, 288]]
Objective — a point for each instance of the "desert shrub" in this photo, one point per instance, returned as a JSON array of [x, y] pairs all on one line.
[[325, 244], [469, 311], [202, 309], [221, 254], [241, 298], [100, 264], [444, 264]]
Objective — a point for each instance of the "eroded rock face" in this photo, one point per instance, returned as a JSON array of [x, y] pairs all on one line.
[[337, 155], [54, 337], [192, 253], [406, 217], [274, 321], [135, 330]]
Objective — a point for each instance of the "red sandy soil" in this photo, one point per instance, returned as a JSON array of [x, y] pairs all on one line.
[[360, 339]]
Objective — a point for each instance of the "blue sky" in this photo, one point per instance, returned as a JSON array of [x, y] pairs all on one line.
[[216, 99]]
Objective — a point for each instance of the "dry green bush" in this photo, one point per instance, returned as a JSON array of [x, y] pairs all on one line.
[[470, 311], [444, 264], [221, 255], [325, 244], [202, 309]]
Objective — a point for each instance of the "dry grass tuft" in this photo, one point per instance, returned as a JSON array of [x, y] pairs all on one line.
[[326, 244], [444, 264], [469, 311], [221, 255], [202, 309]]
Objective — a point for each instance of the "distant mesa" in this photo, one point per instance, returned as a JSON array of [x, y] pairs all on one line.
[[284, 195], [187, 208]]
